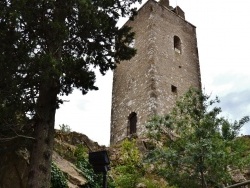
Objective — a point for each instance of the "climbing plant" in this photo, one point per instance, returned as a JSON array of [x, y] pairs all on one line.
[[58, 179], [94, 180]]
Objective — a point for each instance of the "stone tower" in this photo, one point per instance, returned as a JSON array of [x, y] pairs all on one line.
[[166, 66]]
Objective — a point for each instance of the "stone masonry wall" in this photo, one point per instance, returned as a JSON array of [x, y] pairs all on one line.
[[180, 70], [145, 84]]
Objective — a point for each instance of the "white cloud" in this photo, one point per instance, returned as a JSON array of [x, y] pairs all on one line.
[[89, 114]]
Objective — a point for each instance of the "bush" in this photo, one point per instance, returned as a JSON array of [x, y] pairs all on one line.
[[94, 180], [65, 128], [129, 170], [58, 179]]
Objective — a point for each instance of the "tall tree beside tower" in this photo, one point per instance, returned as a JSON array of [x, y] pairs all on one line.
[[48, 47]]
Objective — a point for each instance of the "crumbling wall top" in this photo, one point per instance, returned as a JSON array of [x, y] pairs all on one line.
[[177, 10], [164, 3]]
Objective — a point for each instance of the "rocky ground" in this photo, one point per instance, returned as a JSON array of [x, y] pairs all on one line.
[[14, 159]]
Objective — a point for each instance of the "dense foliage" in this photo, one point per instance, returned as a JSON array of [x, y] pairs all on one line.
[[47, 48], [43, 40], [58, 179], [194, 145]]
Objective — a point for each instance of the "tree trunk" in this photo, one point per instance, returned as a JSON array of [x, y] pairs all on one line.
[[203, 181], [41, 154]]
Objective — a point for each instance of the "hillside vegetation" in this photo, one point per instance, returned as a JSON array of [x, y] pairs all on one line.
[[193, 146]]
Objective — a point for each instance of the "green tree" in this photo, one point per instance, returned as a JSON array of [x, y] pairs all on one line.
[[49, 47], [194, 145]]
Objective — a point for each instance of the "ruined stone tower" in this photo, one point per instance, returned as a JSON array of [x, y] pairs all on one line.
[[166, 66]]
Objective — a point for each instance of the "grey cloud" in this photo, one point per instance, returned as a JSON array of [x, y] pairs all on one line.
[[237, 105]]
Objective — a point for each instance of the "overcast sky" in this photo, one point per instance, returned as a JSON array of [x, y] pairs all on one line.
[[223, 29]]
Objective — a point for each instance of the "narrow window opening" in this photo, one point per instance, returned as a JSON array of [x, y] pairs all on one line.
[[174, 89], [132, 123], [177, 44]]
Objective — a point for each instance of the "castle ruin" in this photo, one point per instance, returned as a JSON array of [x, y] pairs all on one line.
[[165, 67]]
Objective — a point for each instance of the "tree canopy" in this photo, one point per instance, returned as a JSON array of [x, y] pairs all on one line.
[[47, 39], [195, 145], [48, 48]]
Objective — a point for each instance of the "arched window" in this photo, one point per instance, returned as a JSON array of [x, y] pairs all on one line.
[[177, 44], [132, 121]]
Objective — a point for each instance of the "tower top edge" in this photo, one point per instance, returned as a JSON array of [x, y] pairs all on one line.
[[165, 5]]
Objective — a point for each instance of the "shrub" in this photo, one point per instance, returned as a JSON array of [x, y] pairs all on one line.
[[58, 179]]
